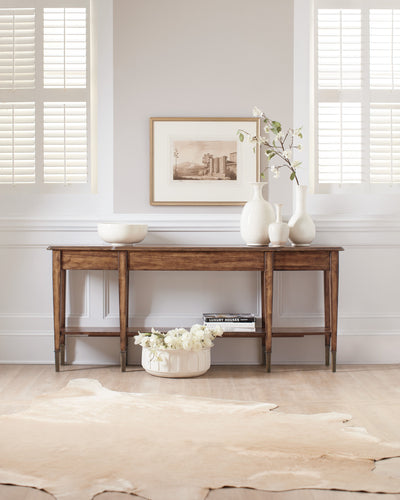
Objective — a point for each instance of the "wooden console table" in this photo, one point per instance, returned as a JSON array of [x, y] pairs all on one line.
[[264, 259]]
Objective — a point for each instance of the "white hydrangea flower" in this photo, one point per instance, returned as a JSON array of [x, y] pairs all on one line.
[[199, 337]]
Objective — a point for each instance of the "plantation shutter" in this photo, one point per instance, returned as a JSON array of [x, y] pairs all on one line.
[[17, 48], [45, 93], [17, 142], [357, 92]]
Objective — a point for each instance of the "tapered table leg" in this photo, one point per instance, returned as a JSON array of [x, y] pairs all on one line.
[[263, 352], [123, 280], [327, 313], [334, 278], [62, 315], [267, 306], [57, 306]]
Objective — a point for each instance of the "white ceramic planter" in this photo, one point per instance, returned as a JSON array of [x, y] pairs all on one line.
[[176, 363]]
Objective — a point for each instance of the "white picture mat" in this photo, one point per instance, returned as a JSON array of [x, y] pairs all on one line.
[[167, 190]]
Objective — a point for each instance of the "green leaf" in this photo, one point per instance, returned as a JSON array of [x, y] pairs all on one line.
[[292, 175], [276, 127], [300, 135], [241, 137]]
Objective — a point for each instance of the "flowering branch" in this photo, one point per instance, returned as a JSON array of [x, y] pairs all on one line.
[[276, 147]]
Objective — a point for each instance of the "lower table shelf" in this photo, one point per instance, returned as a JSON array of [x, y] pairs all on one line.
[[259, 332]]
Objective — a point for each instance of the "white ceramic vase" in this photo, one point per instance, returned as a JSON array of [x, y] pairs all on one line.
[[176, 363], [278, 231], [301, 225], [257, 215]]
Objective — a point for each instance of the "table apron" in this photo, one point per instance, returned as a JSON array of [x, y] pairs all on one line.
[[196, 261], [301, 261], [81, 260]]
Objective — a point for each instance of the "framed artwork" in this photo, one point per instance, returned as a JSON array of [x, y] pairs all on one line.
[[200, 161]]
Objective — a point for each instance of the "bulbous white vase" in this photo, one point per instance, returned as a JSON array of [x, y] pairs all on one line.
[[301, 225], [257, 215], [278, 231]]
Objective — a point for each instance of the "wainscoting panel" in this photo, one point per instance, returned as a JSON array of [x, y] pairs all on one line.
[[369, 316]]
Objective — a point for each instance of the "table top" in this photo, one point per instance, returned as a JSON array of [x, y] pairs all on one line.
[[195, 248]]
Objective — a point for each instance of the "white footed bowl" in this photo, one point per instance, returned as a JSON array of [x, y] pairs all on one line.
[[122, 234]]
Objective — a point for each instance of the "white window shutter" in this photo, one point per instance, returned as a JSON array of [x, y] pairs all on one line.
[[17, 143], [65, 142], [385, 143], [44, 92], [64, 47], [357, 91], [17, 48], [385, 48], [339, 48], [339, 142]]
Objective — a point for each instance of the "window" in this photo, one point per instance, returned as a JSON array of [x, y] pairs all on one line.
[[44, 93], [357, 92]]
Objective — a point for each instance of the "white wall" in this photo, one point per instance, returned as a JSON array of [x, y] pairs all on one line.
[[189, 58]]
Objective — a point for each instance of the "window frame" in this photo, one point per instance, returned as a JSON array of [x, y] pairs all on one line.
[[42, 95], [367, 96]]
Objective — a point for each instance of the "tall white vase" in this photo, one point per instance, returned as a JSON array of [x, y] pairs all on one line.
[[301, 226], [257, 215]]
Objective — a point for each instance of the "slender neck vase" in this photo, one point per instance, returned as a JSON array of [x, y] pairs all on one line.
[[301, 225], [301, 199], [278, 211]]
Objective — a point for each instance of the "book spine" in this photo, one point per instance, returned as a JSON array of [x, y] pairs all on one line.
[[231, 327], [229, 320]]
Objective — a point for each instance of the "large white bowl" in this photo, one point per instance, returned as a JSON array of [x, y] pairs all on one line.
[[122, 234]]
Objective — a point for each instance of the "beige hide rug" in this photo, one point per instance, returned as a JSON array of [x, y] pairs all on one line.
[[86, 439]]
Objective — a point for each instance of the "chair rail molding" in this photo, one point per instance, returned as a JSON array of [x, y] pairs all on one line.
[[191, 222]]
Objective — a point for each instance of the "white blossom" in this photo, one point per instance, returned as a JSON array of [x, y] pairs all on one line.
[[275, 172], [277, 142], [199, 337], [257, 112]]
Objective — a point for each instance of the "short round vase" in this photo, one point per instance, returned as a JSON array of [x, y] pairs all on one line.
[[176, 363], [301, 225], [278, 231], [257, 215]]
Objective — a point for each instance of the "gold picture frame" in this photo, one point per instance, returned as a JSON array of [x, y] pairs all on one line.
[[200, 161]]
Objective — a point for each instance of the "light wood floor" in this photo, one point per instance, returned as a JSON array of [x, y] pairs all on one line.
[[371, 394]]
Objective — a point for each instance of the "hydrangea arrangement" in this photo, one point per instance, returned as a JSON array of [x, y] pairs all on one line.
[[198, 337], [277, 144]]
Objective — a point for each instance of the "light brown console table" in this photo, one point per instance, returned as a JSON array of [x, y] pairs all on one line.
[[264, 259]]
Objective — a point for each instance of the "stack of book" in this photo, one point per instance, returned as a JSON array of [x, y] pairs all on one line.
[[231, 322]]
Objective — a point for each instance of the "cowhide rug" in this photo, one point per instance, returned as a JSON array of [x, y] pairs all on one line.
[[86, 439]]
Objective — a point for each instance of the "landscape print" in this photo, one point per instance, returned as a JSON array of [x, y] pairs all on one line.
[[204, 160]]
